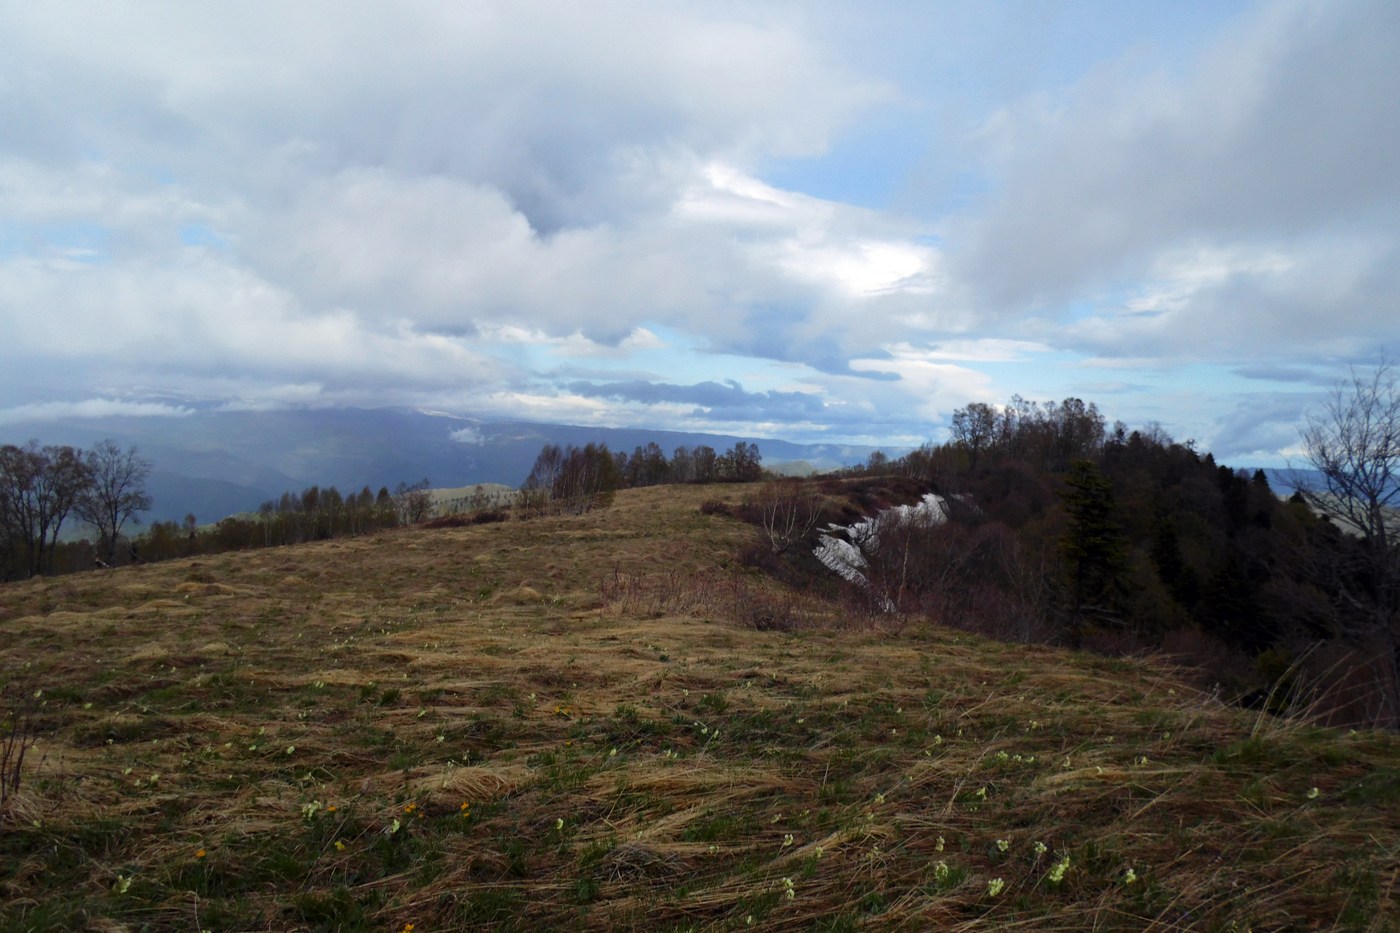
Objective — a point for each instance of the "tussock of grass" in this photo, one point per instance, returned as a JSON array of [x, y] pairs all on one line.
[[593, 721]]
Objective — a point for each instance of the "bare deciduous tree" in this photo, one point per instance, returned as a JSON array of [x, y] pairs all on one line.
[[116, 493], [1353, 444], [788, 512], [571, 480], [973, 430], [413, 504], [38, 489]]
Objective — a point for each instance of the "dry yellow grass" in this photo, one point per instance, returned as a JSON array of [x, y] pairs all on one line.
[[572, 722]]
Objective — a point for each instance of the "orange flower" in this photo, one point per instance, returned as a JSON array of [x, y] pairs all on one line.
[[200, 854]]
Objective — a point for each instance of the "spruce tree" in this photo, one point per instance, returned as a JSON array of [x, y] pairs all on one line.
[[1093, 545]]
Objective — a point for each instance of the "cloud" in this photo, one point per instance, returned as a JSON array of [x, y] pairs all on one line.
[[91, 408], [625, 212], [555, 105], [1284, 374], [928, 387], [1323, 300], [721, 402], [1267, 164], [468, 435], [202, 328], [1258, 427], [367, 208], [500, 163], [983, 350]]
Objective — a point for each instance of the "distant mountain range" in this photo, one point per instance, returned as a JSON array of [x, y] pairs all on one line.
[[213, 462]]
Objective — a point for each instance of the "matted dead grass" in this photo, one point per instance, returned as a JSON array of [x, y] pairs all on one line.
[[602, 721]]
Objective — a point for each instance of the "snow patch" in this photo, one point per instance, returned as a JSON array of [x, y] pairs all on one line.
[[843, 549]]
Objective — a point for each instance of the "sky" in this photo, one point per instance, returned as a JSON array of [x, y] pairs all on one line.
[[823, 221]]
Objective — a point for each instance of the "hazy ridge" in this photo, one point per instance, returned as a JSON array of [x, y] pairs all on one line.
[[213, 462]]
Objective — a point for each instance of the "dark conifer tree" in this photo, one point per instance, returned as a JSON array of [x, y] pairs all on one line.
[[1093, 544]]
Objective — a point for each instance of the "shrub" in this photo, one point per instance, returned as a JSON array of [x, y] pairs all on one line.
[[16, 737]]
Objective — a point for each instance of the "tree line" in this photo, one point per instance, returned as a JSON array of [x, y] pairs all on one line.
[[42, 489], [575, 479], [317, 513]]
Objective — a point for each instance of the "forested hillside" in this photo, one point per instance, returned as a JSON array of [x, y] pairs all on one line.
[[1065, 531]]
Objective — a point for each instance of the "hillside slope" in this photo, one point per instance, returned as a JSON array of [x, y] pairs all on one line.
[[586, 722]]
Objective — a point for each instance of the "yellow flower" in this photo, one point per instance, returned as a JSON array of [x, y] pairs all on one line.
[[200, 854], [330, 809]]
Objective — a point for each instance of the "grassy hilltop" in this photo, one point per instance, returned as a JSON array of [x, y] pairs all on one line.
[[584, 722]]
